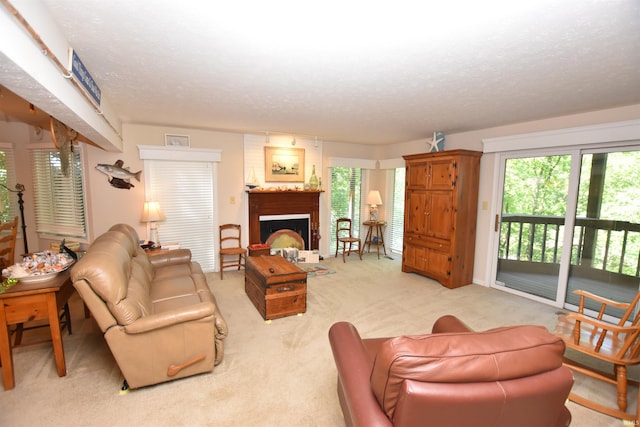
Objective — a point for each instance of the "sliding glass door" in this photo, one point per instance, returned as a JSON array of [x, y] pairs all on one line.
[[534, 205], [570, 221], [605, 255]]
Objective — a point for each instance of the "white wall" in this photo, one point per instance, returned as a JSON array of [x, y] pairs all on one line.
[[472, 140], [108, 205], [104, 197]]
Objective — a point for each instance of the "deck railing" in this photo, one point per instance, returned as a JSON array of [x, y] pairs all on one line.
[[607, 245]]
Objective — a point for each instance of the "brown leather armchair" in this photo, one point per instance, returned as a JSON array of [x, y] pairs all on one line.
[[504, 377]]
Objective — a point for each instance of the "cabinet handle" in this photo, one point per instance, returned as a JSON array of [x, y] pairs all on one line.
[[285, 288]]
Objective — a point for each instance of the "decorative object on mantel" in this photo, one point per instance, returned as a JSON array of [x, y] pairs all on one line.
[[283, 164], [120, 177], [252, 180], [152, 213], [313, 180], [437, 142], [177, 140], [283, 188], [374, 199]]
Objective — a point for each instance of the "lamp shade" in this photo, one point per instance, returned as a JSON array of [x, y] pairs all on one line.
[[152, 212], [373, 198]]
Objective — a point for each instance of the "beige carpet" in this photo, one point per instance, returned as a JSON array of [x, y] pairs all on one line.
[[277, 373]]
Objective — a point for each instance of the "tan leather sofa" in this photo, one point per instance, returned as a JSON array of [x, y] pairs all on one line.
[[157, 313], [503, 377]]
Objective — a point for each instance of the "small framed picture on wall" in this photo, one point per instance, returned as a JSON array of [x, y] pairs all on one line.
[[176, 140]]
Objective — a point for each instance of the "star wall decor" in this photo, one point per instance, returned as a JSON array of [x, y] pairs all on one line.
[[437, 142]]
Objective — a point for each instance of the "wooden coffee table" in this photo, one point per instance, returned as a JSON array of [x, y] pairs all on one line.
[[276, 287], [26, 302]]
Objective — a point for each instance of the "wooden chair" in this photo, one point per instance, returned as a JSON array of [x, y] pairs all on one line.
[[345, 236], [8, 233], [230, 238], [618, 344]]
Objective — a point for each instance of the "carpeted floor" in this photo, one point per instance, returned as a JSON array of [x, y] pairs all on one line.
[[273, 374]]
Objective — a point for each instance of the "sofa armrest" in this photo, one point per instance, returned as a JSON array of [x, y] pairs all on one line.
[[171, 317], [354, 365], [449, 324], [175, 256]]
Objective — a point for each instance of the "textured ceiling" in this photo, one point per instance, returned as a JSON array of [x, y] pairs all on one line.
[[356, 71]]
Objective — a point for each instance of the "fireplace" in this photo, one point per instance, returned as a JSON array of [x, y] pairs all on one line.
[[285, 203], [299, 223]]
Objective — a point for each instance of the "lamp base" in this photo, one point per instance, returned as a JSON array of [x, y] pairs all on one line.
[[154, 238], [373, 214]]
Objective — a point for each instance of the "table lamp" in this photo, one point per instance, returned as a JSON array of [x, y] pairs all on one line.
[[151, 214], [374, 199]]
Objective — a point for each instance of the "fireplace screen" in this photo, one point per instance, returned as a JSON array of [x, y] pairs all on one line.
[[269, 224]]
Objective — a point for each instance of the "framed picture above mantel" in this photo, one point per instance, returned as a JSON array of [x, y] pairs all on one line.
[[283, 164]]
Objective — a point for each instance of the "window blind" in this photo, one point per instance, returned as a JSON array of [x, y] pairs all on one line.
[[185, 192], [59, 200], [397, 213], [346, 186]]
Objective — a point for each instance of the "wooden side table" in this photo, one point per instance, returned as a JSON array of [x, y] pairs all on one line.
[[375, 236], [25, 302]]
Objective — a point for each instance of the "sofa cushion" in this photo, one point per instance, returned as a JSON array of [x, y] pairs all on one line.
[[106, 267], [464, 357], [174, 287]]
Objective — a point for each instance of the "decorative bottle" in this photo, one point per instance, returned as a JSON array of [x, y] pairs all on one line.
[[313, 180]]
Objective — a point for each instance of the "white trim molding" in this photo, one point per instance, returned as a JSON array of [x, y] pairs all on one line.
[[392, 163], [347, 162], [157, 152], [619, 132]]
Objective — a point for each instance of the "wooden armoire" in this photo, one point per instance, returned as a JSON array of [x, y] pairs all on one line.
[[440, 213]]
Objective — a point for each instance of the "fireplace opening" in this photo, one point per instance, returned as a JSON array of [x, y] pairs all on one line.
[[269, 224]]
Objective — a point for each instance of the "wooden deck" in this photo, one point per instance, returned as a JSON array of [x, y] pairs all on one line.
[[545, 286]]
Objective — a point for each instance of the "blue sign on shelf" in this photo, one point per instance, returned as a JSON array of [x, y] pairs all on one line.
[[80, 72]]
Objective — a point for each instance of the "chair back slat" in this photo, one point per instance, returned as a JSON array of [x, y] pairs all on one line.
[[8, 234]]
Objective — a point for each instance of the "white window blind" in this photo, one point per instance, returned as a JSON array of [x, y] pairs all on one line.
[[8, 199], [345, 199], [397, 214], [185, 192], [59, 199]]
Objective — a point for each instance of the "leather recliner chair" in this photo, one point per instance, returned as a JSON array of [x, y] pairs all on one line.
[[504, 377], [157, 313]]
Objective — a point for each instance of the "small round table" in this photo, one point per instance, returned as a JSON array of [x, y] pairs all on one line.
[[375, 236]]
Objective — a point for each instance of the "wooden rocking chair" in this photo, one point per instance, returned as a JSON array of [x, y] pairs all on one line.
[[618, 344]]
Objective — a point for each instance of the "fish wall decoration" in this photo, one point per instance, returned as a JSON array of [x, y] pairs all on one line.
[[119, 176]]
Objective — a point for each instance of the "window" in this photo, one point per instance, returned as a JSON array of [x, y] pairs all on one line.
[[345, 199], [185, 191], [567, 216], [184, 182], [59, 199], [8, 199], [397, 214]]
